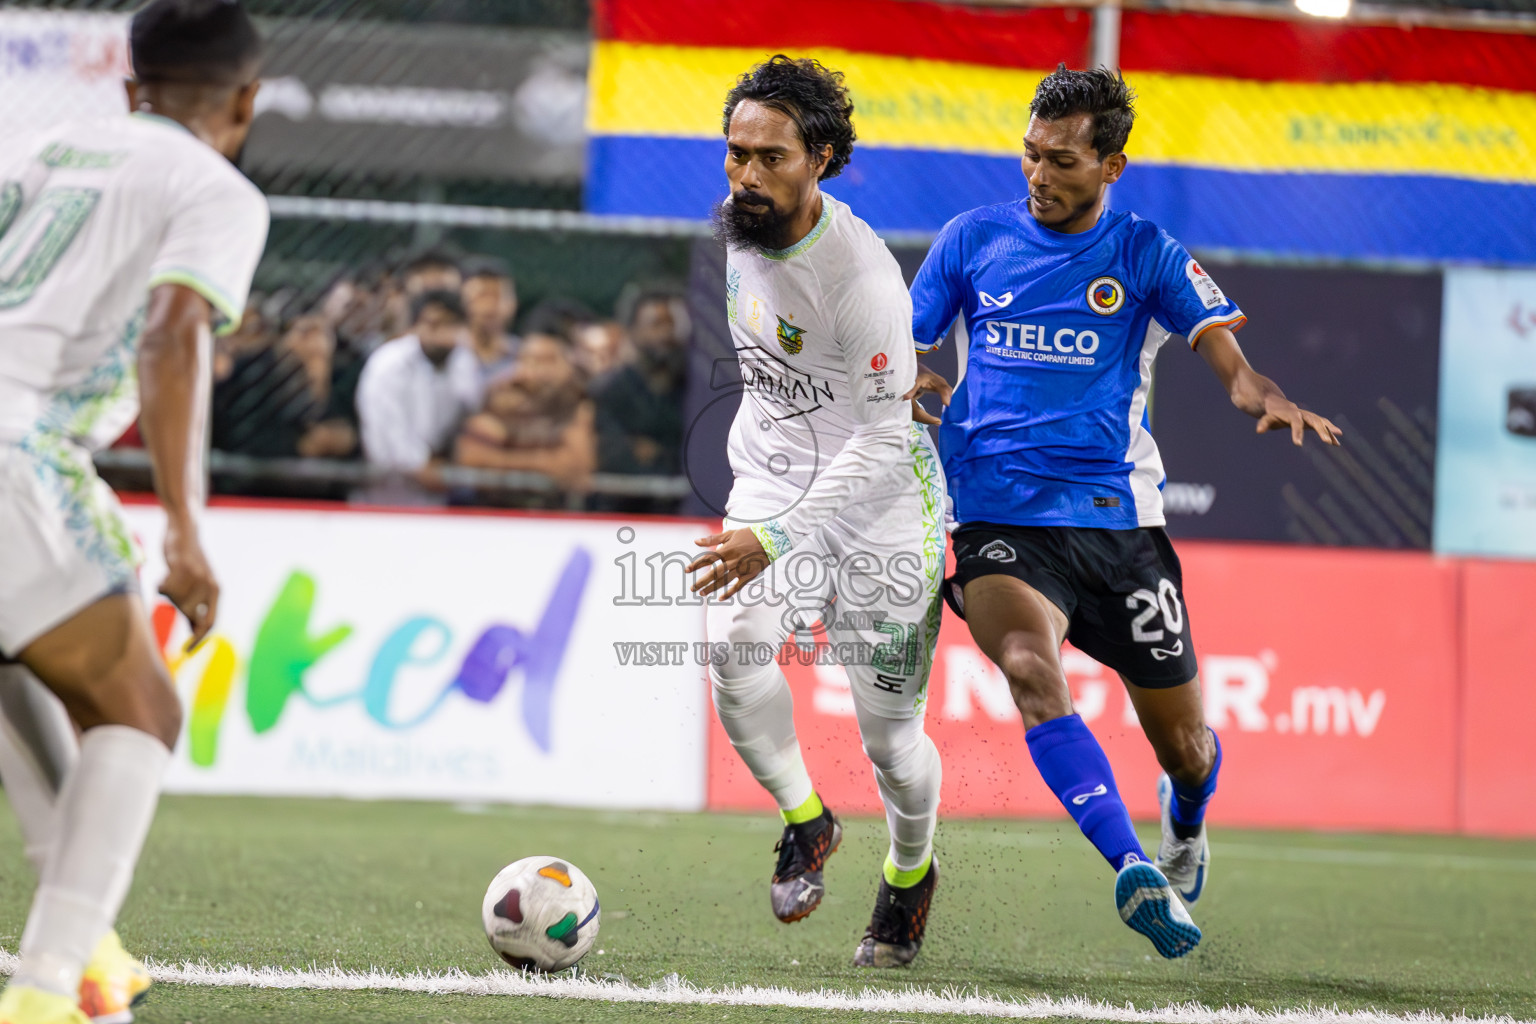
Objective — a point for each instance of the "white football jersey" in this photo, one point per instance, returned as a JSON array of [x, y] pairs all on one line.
[[93, 214], [823, 332]]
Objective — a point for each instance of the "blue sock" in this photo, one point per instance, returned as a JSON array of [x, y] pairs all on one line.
[[1073, 764], [1189, 802]]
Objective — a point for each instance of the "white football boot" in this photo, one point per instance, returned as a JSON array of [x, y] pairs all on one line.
[[1185, 862]]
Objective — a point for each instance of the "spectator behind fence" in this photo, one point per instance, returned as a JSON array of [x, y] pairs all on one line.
[[640, 402], [431, 271], [358, 308], [253, 334], [281, 401], [597, 345], [537, 417], [416, 390], [490, 300], [600, 347]]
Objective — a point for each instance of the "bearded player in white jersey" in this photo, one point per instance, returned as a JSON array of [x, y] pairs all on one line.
[[836, 513], [123, 240]]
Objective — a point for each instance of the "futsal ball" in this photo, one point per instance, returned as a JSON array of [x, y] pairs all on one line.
[[541, 914]]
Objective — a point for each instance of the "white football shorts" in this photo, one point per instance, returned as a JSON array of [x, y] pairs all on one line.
[[63, 542]]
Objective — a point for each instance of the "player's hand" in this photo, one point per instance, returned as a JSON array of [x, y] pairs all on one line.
[[189, 582], [1281, 413], [737, 557], [928, 383]]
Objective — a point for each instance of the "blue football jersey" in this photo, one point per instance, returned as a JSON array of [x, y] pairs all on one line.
[[1048, 425]]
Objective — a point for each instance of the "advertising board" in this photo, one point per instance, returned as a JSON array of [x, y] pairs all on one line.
[[1485, 474], [463, 657], [1333, 696]]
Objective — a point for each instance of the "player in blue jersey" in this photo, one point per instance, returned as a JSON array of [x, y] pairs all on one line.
[[1056, 479]]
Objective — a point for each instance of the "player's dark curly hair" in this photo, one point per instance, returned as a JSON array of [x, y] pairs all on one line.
[[809, 94], [1100, 92]]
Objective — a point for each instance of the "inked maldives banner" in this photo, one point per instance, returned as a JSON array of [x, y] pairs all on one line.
[[465, 657], [1253, 134]]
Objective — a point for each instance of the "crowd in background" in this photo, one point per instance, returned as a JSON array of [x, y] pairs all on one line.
[[416, 367]]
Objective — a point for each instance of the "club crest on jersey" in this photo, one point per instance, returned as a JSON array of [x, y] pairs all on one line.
[[1106, 295], [791, 338]]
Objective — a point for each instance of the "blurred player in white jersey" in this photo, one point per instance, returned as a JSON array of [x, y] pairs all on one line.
[[836, 514], [123, 240]]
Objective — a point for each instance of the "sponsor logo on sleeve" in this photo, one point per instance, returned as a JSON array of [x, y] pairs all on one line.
[[1204, 286], [878, 363]]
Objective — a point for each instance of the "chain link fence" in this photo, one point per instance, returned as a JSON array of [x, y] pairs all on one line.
[[429, 146]]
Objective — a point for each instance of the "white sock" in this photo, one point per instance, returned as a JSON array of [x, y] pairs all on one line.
[[908, 773], [104, 813], [758, 712], [38, 750]]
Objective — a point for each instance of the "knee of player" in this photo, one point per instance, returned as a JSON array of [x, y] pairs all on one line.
[[737, 686], [889, 752], [905, 760], [1188, 754], [1032, 676], [166, 718], [157, 709], [140, 696]]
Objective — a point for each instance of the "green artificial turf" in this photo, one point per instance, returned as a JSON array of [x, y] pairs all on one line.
[[1024, 909]]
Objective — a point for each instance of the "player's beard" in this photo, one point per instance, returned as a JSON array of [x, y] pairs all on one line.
[[736, 228]]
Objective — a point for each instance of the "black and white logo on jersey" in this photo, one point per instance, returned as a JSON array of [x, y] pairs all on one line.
[[998, 551]]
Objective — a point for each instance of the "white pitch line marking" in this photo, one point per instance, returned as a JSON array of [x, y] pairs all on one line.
[[674, 991]]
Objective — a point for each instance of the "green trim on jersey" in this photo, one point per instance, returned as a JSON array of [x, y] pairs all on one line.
[[774, 538], [144, 115], [218, 300], [809, 240], [930, 488], [109, 392], [92, 516], [10, 203]]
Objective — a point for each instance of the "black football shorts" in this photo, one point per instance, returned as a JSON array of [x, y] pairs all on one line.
[[1121, 590]]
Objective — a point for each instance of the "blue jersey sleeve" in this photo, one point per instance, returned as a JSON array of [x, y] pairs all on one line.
[[1184, 298], [938, 291]]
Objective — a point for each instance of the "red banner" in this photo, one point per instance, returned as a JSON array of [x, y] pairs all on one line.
[[1330, 676], [1498, 781], [1289, 48]]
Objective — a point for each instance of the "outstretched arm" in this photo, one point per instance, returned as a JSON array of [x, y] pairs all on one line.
[[1256, 394]]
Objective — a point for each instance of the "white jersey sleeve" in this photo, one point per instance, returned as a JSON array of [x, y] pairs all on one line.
[[873, 323], [212, 242]]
